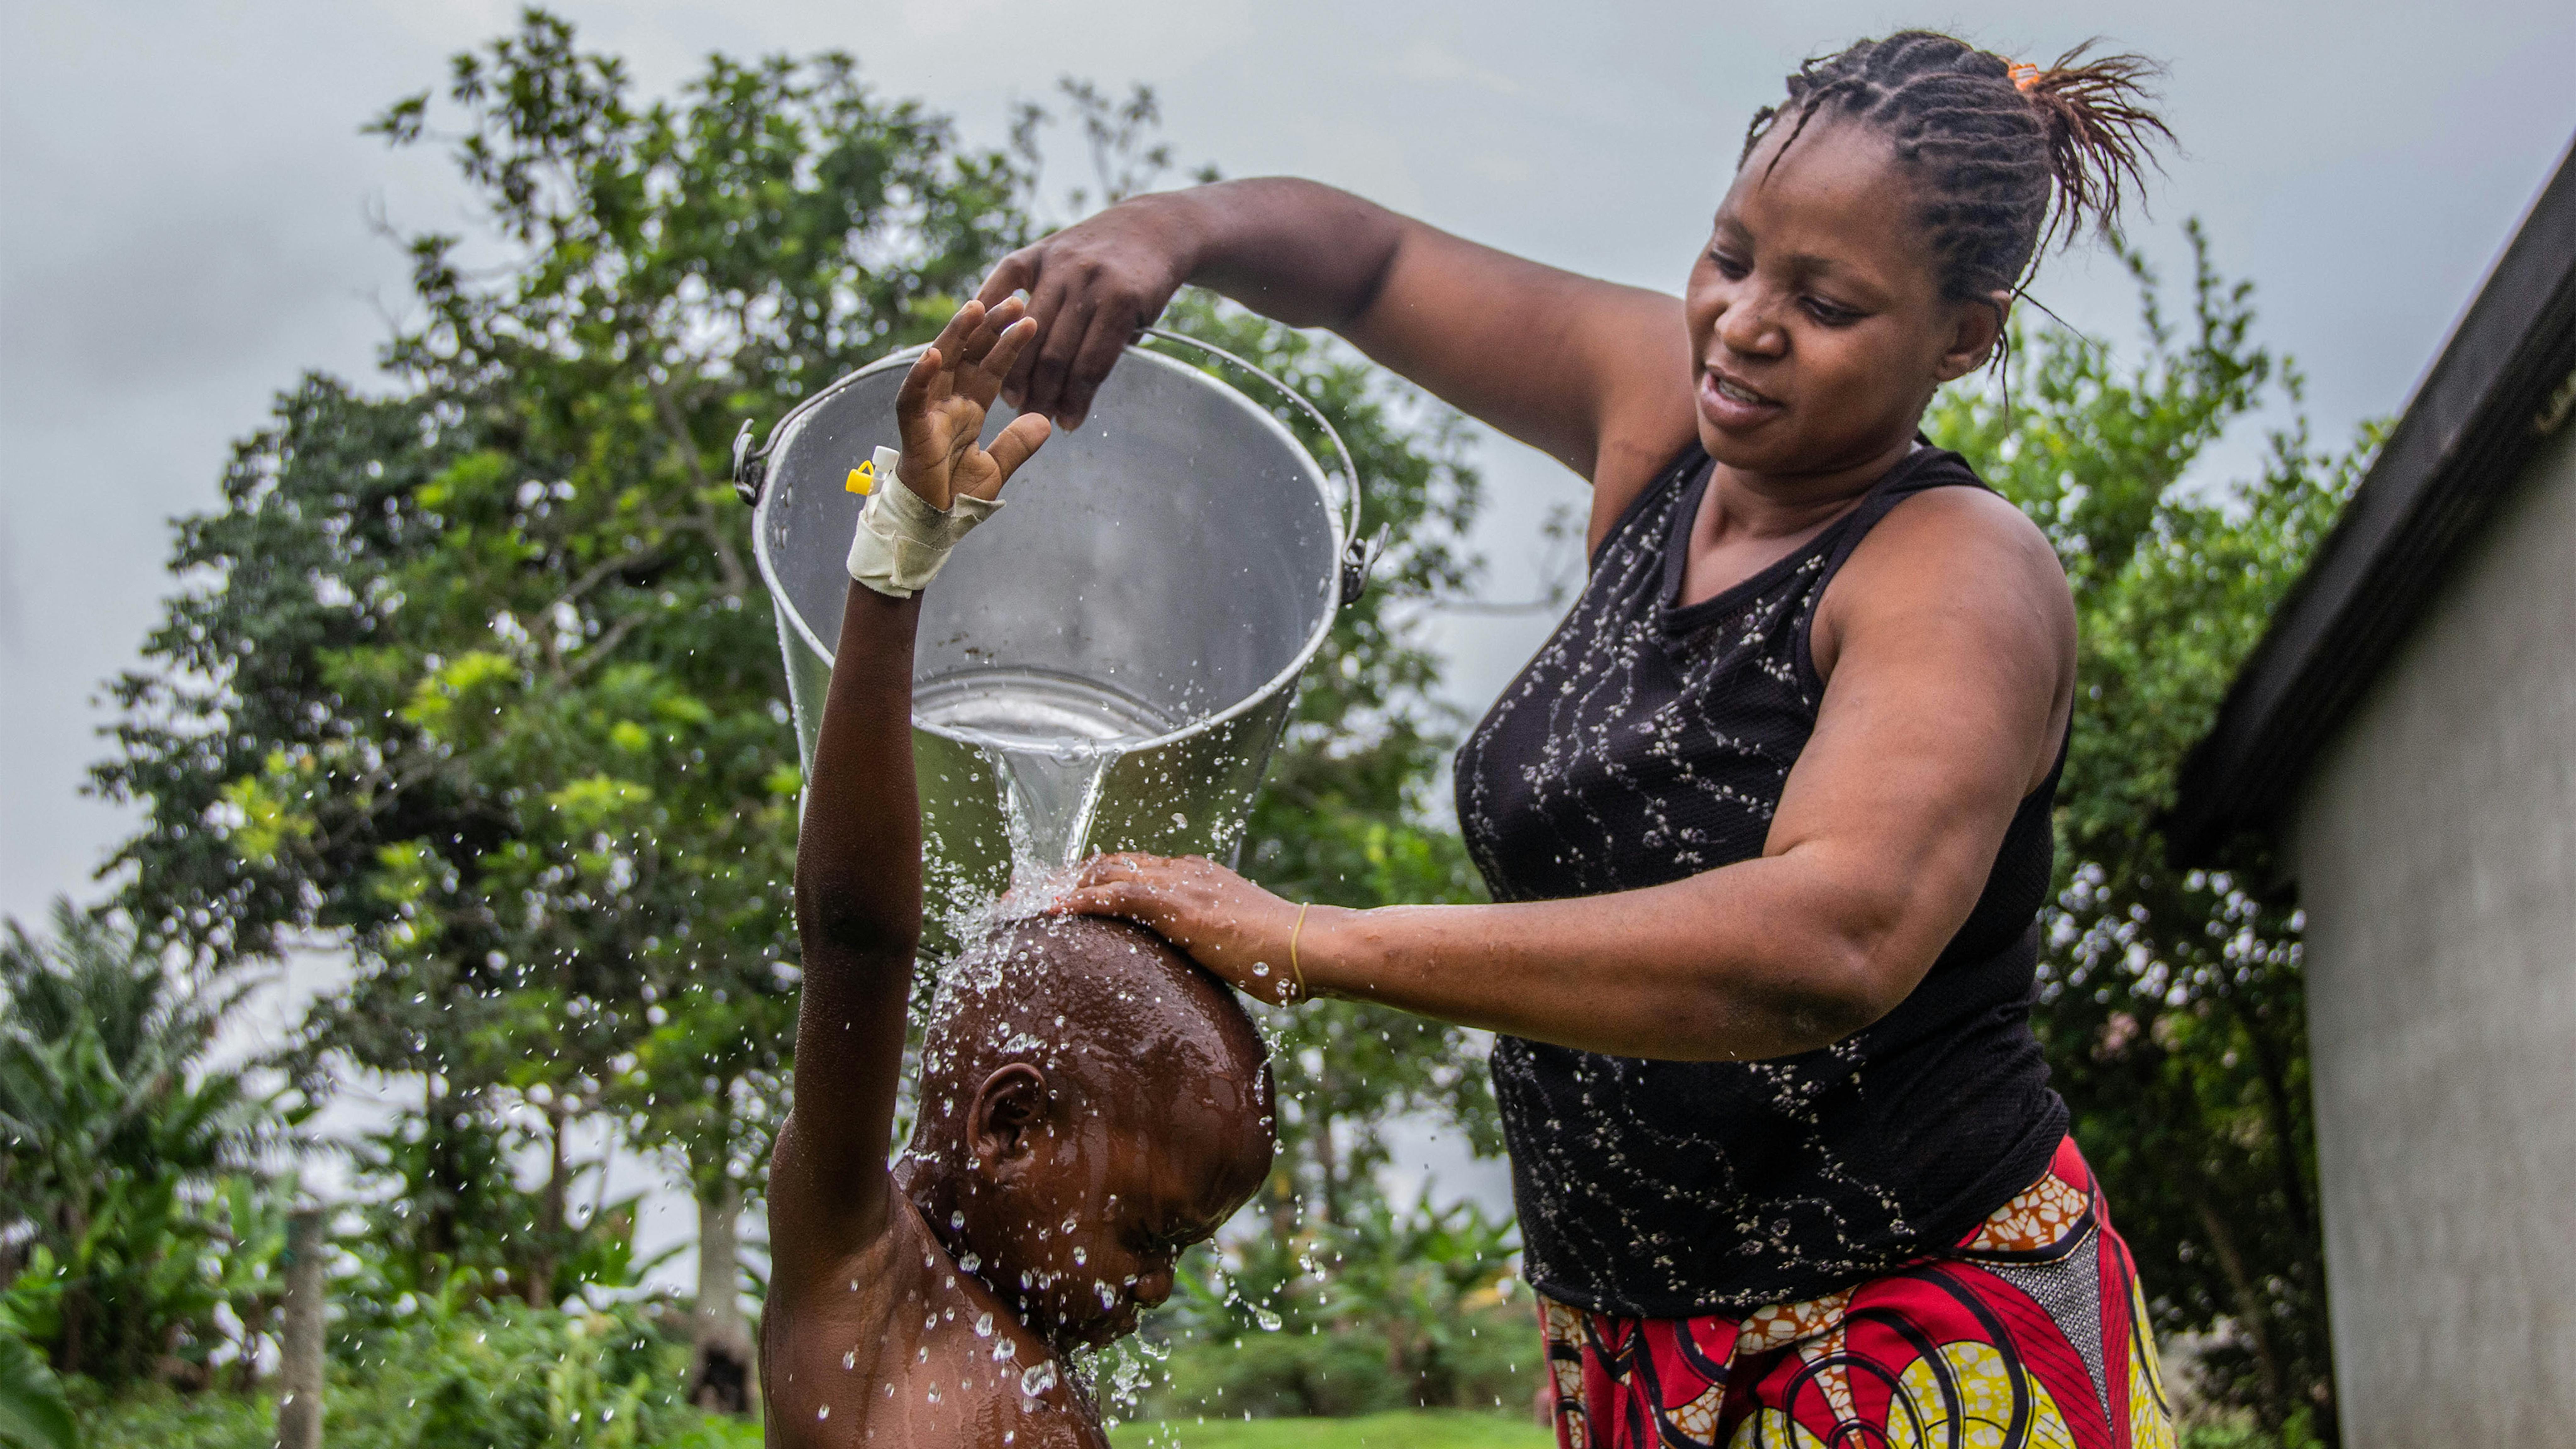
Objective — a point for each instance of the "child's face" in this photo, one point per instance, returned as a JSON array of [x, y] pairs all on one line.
[[1078, 1196], [1083, 1231], [1817, 324]]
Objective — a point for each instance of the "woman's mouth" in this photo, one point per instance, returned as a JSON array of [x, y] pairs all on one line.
[[1731, 405]]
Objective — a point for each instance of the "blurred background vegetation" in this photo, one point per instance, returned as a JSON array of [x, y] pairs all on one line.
[[470, 682]]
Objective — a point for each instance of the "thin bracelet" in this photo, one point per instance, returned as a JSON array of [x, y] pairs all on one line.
[[1293, 934]]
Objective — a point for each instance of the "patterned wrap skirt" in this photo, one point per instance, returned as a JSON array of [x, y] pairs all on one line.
[[2032, 1332]]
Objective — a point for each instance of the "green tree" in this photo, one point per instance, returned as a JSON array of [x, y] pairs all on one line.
[[2170, 1004], [476, 680], [128, 1167]]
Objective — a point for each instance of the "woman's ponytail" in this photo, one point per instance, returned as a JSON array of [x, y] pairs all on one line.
[[2099, 129]]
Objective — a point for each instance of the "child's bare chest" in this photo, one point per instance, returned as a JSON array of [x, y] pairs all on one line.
[[911, 1352]]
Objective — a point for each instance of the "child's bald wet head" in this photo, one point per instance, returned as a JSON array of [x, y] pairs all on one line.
[[1091, 1103]]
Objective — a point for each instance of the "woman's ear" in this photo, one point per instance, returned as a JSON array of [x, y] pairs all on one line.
[[1008, 1111], [1977, 325]]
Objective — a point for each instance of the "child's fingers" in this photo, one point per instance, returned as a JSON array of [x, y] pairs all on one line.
[[996, 322], [952, 338], [996, 364], [970, 353], [1012, 447], [915, 392]]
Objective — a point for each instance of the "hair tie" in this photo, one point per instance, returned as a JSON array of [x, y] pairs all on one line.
[[2022, 74]]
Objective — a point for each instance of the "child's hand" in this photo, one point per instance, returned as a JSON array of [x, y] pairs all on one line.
[[941, 408]]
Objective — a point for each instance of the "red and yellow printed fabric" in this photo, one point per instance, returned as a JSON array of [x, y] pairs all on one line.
[[2031, 1334]]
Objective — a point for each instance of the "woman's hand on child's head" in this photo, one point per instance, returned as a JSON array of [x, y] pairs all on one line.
[[940, 410], [1238, 931]]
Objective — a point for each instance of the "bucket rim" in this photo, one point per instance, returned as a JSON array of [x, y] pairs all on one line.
[[1336, 513]]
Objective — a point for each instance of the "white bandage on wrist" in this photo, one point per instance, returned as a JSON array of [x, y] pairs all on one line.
[[902, 541]]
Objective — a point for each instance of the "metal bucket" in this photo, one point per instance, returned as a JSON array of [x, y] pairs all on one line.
[[1163, 574]]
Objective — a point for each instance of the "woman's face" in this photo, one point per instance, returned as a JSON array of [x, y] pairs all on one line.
[[1818, 330]]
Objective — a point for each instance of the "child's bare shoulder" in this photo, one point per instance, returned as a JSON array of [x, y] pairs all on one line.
[[901, 1348]]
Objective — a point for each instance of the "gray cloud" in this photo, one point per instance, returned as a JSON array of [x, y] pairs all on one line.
[[183, 216]]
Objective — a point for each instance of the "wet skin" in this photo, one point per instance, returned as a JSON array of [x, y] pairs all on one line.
[[1813, 333], [1095, 1078]]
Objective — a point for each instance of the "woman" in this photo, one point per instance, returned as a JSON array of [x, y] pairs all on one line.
[[1767, 821]]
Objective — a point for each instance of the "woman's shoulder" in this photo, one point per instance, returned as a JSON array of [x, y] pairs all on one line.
[[1949, 516], [1946, 545]]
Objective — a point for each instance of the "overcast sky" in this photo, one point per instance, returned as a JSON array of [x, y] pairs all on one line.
[[185, 203]]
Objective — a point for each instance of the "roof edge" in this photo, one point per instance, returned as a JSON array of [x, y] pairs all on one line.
[[2458, 448]]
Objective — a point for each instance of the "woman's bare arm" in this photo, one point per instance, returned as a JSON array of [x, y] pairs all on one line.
[[1940, 713], [1595, 374]]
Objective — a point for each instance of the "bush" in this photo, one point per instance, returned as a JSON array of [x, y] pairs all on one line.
[[1494, 1362], [493, 1375]]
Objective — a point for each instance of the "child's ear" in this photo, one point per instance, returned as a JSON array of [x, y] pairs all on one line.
[[1009, 1108]]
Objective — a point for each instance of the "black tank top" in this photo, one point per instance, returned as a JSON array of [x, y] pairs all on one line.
[[1647, 743]]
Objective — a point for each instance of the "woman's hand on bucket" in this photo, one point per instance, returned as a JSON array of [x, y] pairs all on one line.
[[940, 410], [1238, 931], [1091, 287]]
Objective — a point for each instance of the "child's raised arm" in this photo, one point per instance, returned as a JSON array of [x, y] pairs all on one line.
[[858, 851]]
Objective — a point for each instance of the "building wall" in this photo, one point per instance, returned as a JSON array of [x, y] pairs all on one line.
[[2435, 843]]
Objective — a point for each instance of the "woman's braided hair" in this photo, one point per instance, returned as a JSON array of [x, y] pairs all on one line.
[[2010, 157]]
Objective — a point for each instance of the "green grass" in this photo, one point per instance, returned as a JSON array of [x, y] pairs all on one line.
[[1419, 1429]]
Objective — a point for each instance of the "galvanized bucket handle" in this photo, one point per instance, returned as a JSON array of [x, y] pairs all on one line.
[[1359, 555]]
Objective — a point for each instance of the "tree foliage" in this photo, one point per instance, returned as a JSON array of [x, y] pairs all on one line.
[[132, 1206], [475, 681], [2171, 1002]]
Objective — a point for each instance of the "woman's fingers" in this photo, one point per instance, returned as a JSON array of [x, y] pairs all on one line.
[[1125, 899], [1061, 342], [1112, 328], [1011, 274]]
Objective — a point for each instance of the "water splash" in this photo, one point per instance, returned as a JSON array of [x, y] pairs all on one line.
[[1051, 740]]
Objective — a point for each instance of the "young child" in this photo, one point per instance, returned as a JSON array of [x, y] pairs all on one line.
[[1091, 1103]]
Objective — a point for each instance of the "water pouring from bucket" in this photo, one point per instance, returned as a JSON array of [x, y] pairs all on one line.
[[1108, 665]]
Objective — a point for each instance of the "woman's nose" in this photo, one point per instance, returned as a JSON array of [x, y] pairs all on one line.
[[1745, 327]]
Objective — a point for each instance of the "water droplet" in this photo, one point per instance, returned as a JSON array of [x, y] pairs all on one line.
[[984, 1326], [1037, 1378], [1081, 1256], [824, 1412]]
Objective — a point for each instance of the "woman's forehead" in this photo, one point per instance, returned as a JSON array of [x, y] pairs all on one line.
[[1837, 203]]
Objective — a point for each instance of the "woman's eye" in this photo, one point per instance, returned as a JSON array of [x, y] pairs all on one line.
[[1731, 268], [1829, 314]]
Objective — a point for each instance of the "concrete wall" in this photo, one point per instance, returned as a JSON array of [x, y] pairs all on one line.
[[2435, 843]]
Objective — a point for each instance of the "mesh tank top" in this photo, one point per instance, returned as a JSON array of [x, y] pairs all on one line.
[[1647, 743]]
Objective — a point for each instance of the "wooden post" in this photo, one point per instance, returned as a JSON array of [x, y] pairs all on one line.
[[299, 1377]]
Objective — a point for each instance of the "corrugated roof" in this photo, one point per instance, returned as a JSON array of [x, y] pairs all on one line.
[[2462, 443]]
